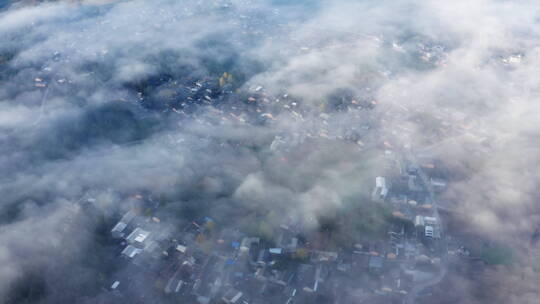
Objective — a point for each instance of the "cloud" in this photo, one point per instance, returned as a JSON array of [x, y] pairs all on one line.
[[94, 99]]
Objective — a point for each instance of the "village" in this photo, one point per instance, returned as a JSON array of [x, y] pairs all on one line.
[[210, 263], [206, 264]]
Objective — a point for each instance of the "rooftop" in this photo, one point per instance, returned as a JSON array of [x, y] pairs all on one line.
[[138, 236], [131, 251]]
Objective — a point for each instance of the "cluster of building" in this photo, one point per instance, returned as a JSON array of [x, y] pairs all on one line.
[[409, 191], [206, 264]]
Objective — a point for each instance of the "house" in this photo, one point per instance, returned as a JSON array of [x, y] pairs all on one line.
[[115, 285], [381, 189], [429, 220], [438, 184], [137, 237], [210, 280], [429, 225], [131, 251], [419, 221], [181, 248], [432, 232], [175, 283], [429, 231], [247, 242], [174, 286], [232, 296], [275, 250], [118, 229], [323, 256], [128, 217]]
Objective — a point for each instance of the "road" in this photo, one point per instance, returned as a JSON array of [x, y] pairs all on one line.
[[413, 294], [42, 105]]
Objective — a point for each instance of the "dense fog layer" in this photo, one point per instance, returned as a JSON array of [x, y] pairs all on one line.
[[181, 101]]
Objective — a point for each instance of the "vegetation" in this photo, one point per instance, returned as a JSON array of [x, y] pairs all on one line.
[[357, 221], [497, 254]]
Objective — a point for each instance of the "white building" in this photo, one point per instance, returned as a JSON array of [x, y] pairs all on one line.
[[247, 242], [131, 251], [432, 232], [181, 248], [429, 231], [118, 230], [115, 285], [419, 221], [137, 237], [381, 189], [429, 220]]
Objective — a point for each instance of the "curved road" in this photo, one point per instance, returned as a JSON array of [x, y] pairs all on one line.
[[413, 294]]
